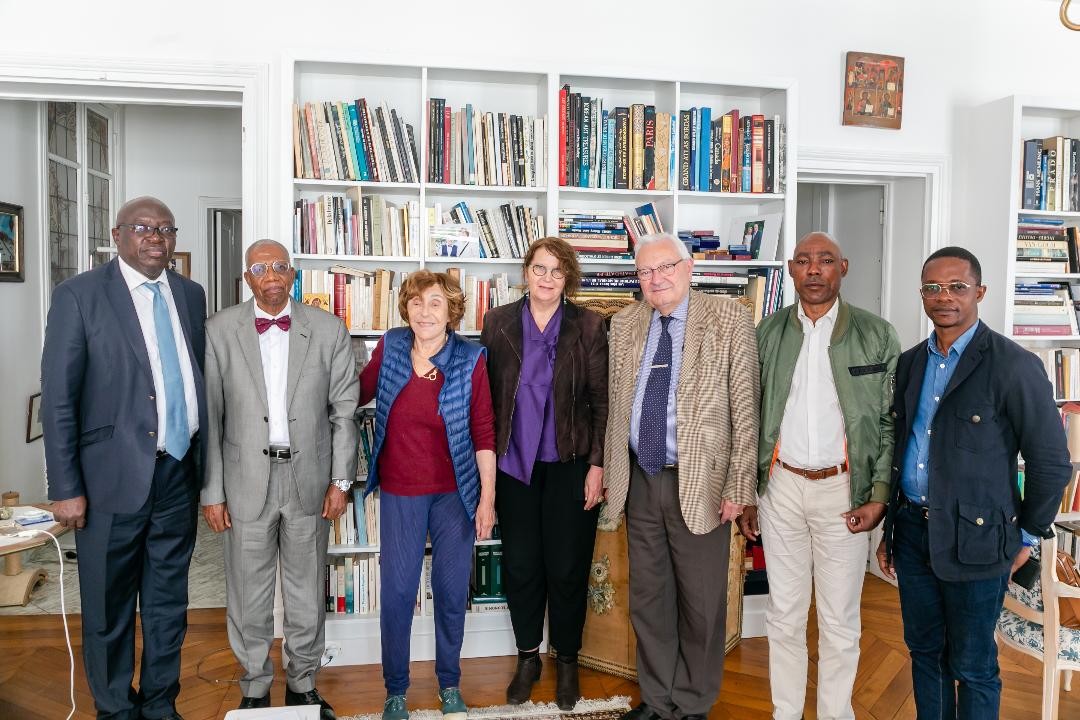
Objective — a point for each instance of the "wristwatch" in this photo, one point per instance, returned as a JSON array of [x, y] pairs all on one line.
[[342, 484]]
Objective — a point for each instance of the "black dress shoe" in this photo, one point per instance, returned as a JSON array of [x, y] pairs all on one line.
[[311, 697], [566, 683], [695, 716], [249, 702], [641, 712], [525, 676], [175, 716]]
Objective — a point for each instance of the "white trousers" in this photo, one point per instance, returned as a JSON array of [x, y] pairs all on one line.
[[806, 542]]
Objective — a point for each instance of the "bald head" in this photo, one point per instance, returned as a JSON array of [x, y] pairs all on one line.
[[819, 239], [145, 203], [145, 235], [259, 247]]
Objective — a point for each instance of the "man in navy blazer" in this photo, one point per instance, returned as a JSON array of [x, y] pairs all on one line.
[[122, 403], [967, 401]]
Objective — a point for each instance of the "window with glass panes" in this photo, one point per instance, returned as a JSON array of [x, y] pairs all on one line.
[[81, 183]]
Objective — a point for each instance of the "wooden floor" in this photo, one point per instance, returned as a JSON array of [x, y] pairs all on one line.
[[34, 674]]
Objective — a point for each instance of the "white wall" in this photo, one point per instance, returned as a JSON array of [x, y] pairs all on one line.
[[178, 154], [21, 464]]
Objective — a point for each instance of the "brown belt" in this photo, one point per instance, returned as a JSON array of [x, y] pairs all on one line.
[[816, 474]]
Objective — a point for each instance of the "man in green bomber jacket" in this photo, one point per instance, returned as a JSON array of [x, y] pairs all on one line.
[[824, 459]]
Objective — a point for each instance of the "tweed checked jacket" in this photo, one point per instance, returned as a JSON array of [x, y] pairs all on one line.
[[716, 404]]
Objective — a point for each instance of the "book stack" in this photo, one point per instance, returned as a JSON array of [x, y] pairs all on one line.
[[470, 147], [483, 295], [353, 141], [1044, 310], [608, 234], [609, 283], [365, 300], [720, 283], [352, 585], [730, 152], [705, 245], [1051, 174], [1063, 369], [1046, 246], [487, 580], [348, 224], [505, 232]]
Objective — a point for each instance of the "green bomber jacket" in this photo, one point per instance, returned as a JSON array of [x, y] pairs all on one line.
[[862, 351]]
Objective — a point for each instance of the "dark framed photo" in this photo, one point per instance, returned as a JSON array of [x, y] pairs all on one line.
[[33, 418], [11, 242], [873, 90], [181, 263]]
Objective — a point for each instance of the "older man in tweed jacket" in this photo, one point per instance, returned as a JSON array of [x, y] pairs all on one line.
[[680, 461]]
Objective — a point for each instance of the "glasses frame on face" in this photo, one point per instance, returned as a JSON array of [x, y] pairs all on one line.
[[541, 270], [664, 269], [956, 288], [139, 230], [258, 270]]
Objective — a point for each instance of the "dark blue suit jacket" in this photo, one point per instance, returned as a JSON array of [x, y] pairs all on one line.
[[97, 392], [999, 402]]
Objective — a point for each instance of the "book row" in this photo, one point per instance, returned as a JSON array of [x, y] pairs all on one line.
[[353, 140], [356, 224], [503, 232], [610, 234], [470, 147], [1047, 246], [359, 525], [1051, 178], [731, 153], [1046, 309]]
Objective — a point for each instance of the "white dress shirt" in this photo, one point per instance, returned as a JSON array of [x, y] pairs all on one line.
[[812, 431], [143, 297], [274, 347]]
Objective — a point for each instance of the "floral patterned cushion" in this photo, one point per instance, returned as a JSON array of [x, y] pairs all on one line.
[[1026, 634]]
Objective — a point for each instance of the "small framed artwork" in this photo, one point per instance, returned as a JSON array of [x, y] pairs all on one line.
[[873, 90], [33, 418], [11, 242], [181, 263]]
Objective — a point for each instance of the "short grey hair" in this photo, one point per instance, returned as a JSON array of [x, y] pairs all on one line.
[[266, 242], [678, 244]]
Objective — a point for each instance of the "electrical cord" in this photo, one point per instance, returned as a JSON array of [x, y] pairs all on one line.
[[30, 532]]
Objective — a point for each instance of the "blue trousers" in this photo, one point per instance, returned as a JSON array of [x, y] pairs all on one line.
[[406, 524], [141, 556], [949, 630]]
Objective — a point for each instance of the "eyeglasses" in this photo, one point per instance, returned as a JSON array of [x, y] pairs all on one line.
[[259, 269], [664, 269], [933, 290], [541, 270], [143, 231]]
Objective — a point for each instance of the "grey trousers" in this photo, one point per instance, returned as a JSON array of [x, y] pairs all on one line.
[[252, 551], [678, 598]]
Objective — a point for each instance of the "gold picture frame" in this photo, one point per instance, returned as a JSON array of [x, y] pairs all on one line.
[[181, 263], [11, 243]]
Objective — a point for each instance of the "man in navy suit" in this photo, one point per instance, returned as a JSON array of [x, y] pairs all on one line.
[[122, 403], [967, 401]]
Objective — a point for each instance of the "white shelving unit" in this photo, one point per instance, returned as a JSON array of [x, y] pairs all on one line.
[[523, 91]]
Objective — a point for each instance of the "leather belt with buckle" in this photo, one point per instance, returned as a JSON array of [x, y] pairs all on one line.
[[279, 453], [820, 474]]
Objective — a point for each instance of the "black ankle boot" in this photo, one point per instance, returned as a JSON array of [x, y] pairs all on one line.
[[566, 682], [525, 676]]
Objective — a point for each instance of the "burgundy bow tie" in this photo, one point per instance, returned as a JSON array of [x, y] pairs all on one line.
[[263, 324]]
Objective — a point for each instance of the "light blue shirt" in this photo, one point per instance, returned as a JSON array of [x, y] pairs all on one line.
[[677, 330], [915, 478]]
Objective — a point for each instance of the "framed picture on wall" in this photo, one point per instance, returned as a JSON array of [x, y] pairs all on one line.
[[33, 418], [181, 263], [11, 243], [873, 90]]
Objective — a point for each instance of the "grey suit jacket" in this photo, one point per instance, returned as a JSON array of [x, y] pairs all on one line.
[[322, 394]]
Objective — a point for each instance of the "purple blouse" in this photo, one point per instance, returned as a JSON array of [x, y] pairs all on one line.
[[532, 428]]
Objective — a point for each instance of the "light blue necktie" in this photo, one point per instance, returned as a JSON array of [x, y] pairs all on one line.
[[177, 440]]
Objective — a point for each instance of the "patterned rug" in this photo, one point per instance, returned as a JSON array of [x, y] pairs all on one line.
[[610, 709]]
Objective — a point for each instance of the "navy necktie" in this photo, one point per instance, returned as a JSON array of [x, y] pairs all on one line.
[[177, 440], [652, 429]]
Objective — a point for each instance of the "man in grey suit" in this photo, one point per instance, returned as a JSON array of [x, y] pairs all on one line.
[[282, 392], [122, 405]]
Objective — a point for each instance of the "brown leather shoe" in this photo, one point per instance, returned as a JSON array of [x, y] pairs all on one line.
[[566, 684], [525, 676]]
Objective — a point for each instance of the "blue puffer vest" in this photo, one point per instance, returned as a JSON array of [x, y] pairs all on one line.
[[456, 361]]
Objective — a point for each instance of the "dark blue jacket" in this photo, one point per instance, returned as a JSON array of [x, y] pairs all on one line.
[[998, 403], [98, 410], [456, 361]]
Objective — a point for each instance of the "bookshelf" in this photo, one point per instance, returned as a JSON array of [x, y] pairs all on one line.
[[999, 214], [530, 92]]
